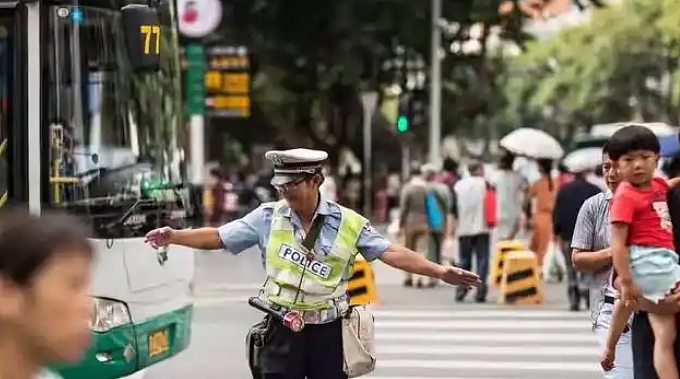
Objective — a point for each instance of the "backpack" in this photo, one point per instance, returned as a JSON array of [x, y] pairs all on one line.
[[434, 211], [490, 214]]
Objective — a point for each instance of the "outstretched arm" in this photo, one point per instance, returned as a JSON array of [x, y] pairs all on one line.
[[203, 238], [408, 260], [372, 245]]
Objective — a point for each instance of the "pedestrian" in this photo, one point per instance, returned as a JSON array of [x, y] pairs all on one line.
[[643, 338], [570, 198], [413, 221], [440, 216], [591, 253], [216, 185], [45, 303], [646, 265], [311, 281], [543, 191], [510, 186], [473, 230]]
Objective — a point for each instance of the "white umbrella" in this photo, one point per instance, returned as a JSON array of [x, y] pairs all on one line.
[[532, 143], [584, 159]]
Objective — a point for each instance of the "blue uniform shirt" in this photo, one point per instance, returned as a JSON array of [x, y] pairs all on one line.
[[253, 229]]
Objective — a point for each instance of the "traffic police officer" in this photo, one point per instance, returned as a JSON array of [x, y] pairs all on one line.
[[311, 282]]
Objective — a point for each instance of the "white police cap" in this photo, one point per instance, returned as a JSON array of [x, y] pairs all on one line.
[[294, 164]]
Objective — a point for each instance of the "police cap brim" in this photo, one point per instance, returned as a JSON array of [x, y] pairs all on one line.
[[295, 164]]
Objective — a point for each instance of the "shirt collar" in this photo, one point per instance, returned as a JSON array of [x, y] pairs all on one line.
[[324, 208], [608, 195]]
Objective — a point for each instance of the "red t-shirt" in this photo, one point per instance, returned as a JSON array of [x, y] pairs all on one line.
[[646, 214]]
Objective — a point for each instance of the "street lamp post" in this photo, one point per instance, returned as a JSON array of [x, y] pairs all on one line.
[[435, 83], [369, 101]]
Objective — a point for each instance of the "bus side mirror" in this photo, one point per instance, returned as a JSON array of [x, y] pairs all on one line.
[[142, 30]]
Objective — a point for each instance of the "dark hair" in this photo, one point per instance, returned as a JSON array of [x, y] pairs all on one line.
[[562, 168], [545, 166], [29, 242], [216, 173], [450, 165], [475, 166], [672, 166], [506, 161], [631, 138], [605, 148]]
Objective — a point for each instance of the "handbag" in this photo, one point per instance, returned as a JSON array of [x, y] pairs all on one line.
[[490, 216], [358, 341], [255, 340]]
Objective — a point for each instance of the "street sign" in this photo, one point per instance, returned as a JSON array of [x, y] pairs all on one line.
[[193, 62], [227, 82]]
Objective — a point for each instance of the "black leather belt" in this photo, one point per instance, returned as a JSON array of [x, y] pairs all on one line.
[[611, 300]]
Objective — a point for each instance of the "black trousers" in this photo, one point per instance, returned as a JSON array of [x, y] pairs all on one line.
[[477, 245], [436, 240], [577, 285], [314, 353], [643, 347]]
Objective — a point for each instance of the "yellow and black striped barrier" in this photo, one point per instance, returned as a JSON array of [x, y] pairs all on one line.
[[502, 249], [361, 285], [521, 281]]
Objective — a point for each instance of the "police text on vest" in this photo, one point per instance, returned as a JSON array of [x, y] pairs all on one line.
[[317, 268]]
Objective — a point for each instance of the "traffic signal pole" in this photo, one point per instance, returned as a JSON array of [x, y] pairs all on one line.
[[435, 84]]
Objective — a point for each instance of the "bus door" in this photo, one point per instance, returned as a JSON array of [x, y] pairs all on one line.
[[13, 135]]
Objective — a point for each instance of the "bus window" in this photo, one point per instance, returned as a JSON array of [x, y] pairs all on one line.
[[113, 131], [5, 75]]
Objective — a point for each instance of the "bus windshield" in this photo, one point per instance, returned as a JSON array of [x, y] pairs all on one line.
[[114, 132]]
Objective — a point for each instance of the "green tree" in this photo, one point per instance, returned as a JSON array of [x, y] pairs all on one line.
[[315, 57], [620, 65]]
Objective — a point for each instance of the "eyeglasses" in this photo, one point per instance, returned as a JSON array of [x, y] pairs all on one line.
[[289, 186]]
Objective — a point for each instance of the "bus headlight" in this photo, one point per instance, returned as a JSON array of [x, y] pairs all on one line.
[[108, 314]]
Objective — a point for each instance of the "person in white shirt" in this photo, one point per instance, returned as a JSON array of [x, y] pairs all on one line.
[[473, 233], [510, 187]]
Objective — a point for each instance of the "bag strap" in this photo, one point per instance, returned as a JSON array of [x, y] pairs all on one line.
[[314, 231], [308, 243]]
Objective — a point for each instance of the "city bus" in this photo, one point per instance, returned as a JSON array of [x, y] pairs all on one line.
[[91, 124]]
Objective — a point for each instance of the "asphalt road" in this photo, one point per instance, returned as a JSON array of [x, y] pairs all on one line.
[[421, 333]]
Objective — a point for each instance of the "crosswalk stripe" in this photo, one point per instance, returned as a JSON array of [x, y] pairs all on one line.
[[490, 365], [519, 351], [485, 324], [477, 314], [550, 338]]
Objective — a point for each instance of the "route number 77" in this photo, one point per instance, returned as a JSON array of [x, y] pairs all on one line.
[[148, 31]]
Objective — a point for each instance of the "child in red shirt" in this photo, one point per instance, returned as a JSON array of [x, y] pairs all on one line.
[[642, 244]]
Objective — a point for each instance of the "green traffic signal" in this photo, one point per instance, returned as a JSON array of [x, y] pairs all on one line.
[[402, 124]]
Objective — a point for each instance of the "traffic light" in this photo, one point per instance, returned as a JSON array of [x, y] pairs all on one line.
[[418, 108], [404, 118], [402, 124]]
